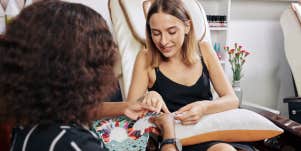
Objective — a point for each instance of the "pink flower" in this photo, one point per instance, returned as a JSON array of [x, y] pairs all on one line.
[[237, 60], [231, 51]]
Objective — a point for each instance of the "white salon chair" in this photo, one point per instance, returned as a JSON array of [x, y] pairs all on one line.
[[128, 21], [291, 26]]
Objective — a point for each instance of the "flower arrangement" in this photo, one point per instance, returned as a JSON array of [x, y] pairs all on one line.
[[237, 60]]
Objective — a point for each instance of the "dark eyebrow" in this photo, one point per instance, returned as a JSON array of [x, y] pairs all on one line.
[[155, 30], [172, 27], [169, 28]]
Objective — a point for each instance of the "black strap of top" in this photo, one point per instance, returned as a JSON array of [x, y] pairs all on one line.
[[203, 64]]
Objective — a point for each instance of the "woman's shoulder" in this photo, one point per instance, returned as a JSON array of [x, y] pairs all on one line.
[[84, 138], [65, 137], [204, 46], [143, 53], [143, 59], [207, 52], [79, 136]]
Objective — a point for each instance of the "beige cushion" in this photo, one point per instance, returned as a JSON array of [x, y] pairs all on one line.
[[238, 125]]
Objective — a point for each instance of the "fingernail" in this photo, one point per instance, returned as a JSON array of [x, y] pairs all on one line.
[[178, 115]]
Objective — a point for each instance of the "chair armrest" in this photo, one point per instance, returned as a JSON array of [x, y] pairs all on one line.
[[291, 138], [281, 121], [292, 99]]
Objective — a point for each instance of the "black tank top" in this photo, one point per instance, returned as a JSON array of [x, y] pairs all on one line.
[[177, 95]]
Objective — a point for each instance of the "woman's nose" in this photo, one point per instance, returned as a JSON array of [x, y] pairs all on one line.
[[163, 40]]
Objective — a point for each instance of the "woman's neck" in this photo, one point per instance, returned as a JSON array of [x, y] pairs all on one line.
[[176, 59]]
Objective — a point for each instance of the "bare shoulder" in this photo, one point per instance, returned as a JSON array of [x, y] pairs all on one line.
[[142, 53], [208, 53], [142, 65], [142, 58], [205, 47]]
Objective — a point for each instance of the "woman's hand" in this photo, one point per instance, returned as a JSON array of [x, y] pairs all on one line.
[[154, 99], [137, 109], [191, 113], [165, 123]]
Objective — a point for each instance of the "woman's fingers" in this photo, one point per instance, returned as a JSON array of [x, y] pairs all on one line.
[[158, 106], [164, 108], [184, 109], [146, 99], [187, 116], [190, 122], [148, 108], [154, 99]]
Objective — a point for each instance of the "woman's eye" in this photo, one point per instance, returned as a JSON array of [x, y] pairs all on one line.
[[156, 33], [173, 32]]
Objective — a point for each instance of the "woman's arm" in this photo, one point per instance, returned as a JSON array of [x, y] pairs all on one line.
[[132, 110], [165, 122], [140, 77], [193, 112], [227, 99], [141, 81]]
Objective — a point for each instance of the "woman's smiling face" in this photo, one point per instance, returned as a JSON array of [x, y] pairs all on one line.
[[168, 33]]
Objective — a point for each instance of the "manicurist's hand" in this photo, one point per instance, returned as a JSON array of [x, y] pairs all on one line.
[[137, 109], [191, 113], [155, 100], [166, 123]]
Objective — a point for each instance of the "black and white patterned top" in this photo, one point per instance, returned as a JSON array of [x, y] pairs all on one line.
[[55, 137]]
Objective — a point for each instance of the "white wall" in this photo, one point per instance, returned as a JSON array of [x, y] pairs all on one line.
[[255, 24]]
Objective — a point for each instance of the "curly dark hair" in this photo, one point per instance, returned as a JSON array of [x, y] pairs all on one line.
[[56, 63]]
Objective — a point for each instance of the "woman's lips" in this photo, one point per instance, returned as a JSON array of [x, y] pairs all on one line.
[[166, 49]]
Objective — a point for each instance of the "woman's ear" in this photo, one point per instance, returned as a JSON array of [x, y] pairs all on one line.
[[187, 26]]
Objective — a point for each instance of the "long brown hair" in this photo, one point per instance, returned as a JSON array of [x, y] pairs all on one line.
[[175, 8]]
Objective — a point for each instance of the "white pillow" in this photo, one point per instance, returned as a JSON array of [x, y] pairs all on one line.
[[237, 125]]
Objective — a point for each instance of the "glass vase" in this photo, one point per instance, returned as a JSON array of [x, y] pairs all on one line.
[[238, 90]]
